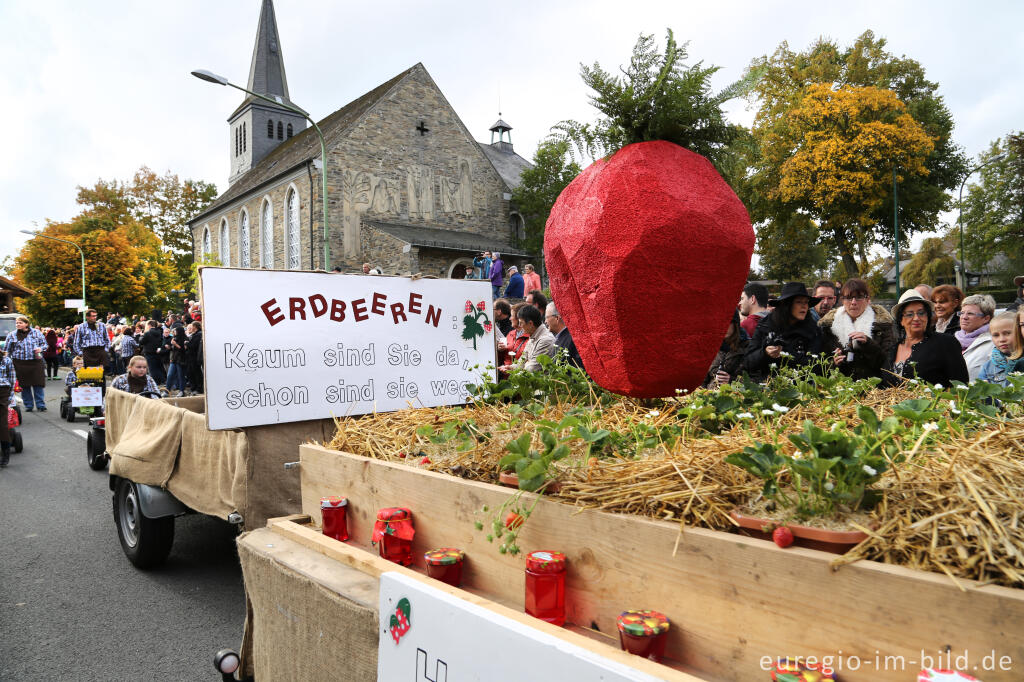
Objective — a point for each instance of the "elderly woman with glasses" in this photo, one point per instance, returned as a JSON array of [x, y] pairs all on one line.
[[923, 353], [859, 336], [975, 341]]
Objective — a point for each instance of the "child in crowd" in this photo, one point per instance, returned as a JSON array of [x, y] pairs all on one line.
[[76, 364], [1006, 352]]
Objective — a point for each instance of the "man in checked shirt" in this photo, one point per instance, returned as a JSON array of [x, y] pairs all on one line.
[[91, 341]]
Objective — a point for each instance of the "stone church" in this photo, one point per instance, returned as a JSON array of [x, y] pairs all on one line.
[[409, 189]]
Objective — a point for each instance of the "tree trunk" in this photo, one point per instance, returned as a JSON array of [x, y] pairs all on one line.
[[842, 242]]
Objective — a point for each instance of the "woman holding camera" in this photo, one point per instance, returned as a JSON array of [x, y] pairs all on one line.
[[859, 336], [786, 336]]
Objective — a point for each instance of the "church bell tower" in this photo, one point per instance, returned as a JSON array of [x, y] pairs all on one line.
[[257, 126]]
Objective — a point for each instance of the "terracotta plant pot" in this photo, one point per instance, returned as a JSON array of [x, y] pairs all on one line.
[[511, 480], [835, 541]]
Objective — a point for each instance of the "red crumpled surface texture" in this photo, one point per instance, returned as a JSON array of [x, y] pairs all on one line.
[[647, 253]]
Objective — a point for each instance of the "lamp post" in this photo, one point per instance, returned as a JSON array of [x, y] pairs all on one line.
[[210, 77], [896, 230], [960, 215], [81, 253]]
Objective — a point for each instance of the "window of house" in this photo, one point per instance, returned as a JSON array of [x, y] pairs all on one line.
[[293, 230], [244, 259], [267, 235], [225, 247]]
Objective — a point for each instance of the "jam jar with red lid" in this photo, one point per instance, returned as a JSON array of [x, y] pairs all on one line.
[[334, 512], [445, 564], [393, 533], [643, 633], [545, 586]]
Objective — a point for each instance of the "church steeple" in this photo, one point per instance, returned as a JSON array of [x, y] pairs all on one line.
[[266, 73], [257, 126]]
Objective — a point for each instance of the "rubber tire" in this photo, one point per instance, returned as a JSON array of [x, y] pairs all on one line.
[[70, 415], [16, 443], [63, 410], [95, 450], [17, 409], [146, 542]]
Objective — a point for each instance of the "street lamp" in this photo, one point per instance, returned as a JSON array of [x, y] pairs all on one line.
[[210, 77], [960, 215], [82, 253]]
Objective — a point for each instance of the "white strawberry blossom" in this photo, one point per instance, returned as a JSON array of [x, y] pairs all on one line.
[[829, 485], [744, 415], [931, 426], [869, 471], [780, 408]]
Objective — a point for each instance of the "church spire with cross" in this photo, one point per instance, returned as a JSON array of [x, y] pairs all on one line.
[[257, 126]]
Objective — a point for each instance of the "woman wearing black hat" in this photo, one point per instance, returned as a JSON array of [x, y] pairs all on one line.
[[922, 352], [787, 336]]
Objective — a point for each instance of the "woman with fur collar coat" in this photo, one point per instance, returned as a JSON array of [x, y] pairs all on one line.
[[858, 335]]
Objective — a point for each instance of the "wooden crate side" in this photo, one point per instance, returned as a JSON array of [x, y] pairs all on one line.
[[733, 600]]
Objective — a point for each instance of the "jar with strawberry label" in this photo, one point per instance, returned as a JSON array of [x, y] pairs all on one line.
[[445, 564], [334, 512], [393, 533], [643, 633], [545, 586]]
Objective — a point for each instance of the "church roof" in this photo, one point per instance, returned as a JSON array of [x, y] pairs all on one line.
[[508, 164], [303, 147], [438, 238]]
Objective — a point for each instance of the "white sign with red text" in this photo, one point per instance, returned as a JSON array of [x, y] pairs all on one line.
[[282, 346]]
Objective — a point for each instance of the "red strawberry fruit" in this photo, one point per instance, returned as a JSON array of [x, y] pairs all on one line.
[[648, 251], [782, 536], [513, 521]]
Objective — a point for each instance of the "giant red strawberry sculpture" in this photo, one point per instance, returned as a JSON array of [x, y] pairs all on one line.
[[647, 252]]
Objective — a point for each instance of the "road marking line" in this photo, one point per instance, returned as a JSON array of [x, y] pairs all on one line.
[[82, 432]]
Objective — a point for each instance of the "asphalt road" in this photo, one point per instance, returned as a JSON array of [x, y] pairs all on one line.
[[71, 605]]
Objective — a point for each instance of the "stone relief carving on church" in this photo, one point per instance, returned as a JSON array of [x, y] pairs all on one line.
[[420, 187], [363, 193], [457, 195]]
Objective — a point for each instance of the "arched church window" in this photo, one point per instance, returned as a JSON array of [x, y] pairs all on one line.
[[245, 136], [225, 246], [238, 144], [267, 235], [293, 230], [289, 131], [270, 129], [280, 131], [207, 242], [244, 259]]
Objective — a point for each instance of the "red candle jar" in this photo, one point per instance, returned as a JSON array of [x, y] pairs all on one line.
[[334, 511], [643, 633], [393, 533], [545, 586], [445, 564]]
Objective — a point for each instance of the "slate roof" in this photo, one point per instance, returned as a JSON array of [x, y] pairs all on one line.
[[508, 164], [303, 147], [451, 240]]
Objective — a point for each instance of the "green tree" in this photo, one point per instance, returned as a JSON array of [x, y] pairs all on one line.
[[657, 97], [932, 265], [786, 79], [993, 209], [540, 185], [789, 251]]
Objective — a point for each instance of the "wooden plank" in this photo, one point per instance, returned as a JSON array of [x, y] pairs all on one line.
[[371, 564], [733, 600]]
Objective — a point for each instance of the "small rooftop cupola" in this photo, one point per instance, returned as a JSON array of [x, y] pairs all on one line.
[[503, 130], [257, 126]]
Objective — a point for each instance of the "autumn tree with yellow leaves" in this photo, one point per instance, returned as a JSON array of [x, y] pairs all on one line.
[[128, 267], [832, 124], [837, 159]]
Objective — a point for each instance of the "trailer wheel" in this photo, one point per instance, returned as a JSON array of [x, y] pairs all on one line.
[[16, 442], [70, 414], [146, 542], [63, 410], [95, 450]]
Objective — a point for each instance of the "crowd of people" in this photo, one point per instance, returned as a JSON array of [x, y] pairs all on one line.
[[936, 335]]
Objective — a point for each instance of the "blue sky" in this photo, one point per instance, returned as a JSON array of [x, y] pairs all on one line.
[[95, 90]]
